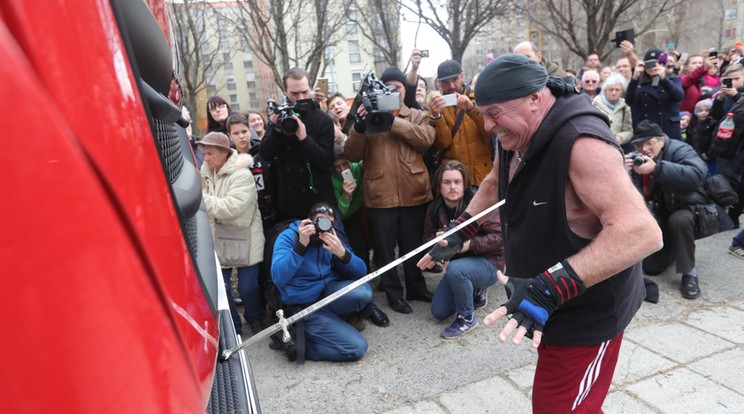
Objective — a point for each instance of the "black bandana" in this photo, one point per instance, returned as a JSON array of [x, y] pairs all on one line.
[[508, 77]]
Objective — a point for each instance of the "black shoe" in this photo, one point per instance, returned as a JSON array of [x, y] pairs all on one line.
[[378, 317], [424, 296], [356, 321], [400, 306], [690, 287]]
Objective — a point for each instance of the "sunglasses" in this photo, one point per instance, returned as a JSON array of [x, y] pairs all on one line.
[[323, 210]]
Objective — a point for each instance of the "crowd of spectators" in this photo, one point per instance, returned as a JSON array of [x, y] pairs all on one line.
[[388, 191]]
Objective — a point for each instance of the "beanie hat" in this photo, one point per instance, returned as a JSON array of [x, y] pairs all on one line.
[[393, 74], [508, 77]]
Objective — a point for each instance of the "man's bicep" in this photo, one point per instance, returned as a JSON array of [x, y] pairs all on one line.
[[599, 178]]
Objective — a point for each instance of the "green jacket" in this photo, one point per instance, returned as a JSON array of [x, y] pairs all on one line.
[[349, 207]]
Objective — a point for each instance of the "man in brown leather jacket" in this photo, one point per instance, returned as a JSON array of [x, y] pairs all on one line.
[[396, 189]]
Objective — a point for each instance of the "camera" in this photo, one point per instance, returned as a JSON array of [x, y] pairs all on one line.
[[425, 53], [379, 100], [638, 159], [284, 112], [323, 224]]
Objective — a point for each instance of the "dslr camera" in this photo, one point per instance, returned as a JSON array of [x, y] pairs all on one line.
[[637, 158], [379, 100], [284, 112], [323, 224]]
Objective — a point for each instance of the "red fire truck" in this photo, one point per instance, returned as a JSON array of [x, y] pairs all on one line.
[[112, 300]]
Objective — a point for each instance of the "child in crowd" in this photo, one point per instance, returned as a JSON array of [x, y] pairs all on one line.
[[684, 121], [701, 130]]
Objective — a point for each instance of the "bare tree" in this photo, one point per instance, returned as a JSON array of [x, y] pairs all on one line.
[[587, 26], [458, 21], [379, 23], [290, 33], [195, 40]]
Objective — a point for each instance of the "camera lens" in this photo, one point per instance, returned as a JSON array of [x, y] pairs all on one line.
[[638, 160], [289, 125], [323, 224]]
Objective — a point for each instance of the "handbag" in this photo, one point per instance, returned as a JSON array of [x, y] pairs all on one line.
[[706, 219], [720, 190], [232, 244]]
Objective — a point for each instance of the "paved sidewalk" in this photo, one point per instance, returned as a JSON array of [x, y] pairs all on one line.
[[679, 356]]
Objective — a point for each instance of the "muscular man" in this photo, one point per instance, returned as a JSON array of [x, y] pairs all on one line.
[[577, 231], [460, 132]]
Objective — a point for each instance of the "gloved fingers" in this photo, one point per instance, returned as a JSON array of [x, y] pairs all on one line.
[[444, 252]]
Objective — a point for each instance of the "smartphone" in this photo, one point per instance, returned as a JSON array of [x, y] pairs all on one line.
[[424, 53], [450, 100], [684, 57], [712, 53], [322, 83], [727, 82], [624, 35], [347, 175]]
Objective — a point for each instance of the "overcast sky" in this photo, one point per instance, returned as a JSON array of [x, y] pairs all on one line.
[[427, 38]]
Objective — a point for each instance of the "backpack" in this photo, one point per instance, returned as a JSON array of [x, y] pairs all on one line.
[[719, 189]]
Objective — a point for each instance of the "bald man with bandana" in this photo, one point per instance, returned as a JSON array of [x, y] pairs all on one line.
[[575, 230]]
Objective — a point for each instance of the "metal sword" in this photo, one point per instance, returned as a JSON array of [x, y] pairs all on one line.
[[283, 323]]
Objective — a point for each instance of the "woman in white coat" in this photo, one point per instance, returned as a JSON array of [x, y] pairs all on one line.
[[230, 196], [611, 102]]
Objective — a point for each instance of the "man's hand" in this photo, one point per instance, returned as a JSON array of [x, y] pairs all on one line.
[[319, 96], [436, 105], [639, 68], [301, 130], [646, 168], [415, 58], [307, 229], [627, 47], [332, 243], [532, 301], [349, 187], [464, 102]]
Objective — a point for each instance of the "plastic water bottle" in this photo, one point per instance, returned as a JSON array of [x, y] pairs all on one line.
[[726, 129]]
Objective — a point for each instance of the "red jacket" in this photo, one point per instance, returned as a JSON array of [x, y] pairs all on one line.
[[691, 86]]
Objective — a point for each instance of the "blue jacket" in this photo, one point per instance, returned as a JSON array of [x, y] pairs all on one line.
[[302, 273]]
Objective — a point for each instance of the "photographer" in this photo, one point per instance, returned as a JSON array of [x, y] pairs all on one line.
[[396, 187], [309, 263], [670, 176], [654, 95], [299, 145]]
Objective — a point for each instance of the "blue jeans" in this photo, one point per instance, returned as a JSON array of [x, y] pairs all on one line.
[[327, 335], [738, 240], [249, 292], [454, 293]]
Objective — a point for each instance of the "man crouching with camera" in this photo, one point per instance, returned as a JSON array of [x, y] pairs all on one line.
[[396, 183], [309, 263], [670, 175]]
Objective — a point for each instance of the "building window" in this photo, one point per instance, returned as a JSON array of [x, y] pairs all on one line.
[[253, 97], [354, 55], [248, 64], [213, 90], [478, 52], [233, 99], [351, 26], [730, 33], [356, 79], [250, 84], [477, 40], [730, 14]]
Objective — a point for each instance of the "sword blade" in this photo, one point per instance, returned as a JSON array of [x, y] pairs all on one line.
[[334, 296]]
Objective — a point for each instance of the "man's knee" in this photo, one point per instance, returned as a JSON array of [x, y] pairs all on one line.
[[682, 219]]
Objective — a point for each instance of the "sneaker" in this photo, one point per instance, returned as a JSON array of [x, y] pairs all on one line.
[[459, 326], [480, 300], [737, 251]]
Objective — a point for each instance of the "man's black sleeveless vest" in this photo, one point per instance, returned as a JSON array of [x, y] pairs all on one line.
[[537, 235]]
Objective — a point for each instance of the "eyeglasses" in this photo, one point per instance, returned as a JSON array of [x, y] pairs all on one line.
[[216, 107], [590, 81]]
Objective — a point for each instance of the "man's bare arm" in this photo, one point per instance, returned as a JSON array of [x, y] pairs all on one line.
[[629, 232]]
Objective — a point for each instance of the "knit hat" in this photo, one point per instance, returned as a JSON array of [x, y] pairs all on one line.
[[508, 77], [393, 74], [645, 131], [448, 69], [216, 139]]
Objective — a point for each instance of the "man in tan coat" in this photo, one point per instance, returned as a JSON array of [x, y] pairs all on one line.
[[396, 189], [460, 132]]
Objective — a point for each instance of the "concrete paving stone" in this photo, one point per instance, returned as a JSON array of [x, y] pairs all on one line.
[[423, 407], [637, 362], [724, 322], [677, 341], [523, 376], [491, 396], [724, 368], [620, 402], [683, 391]]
